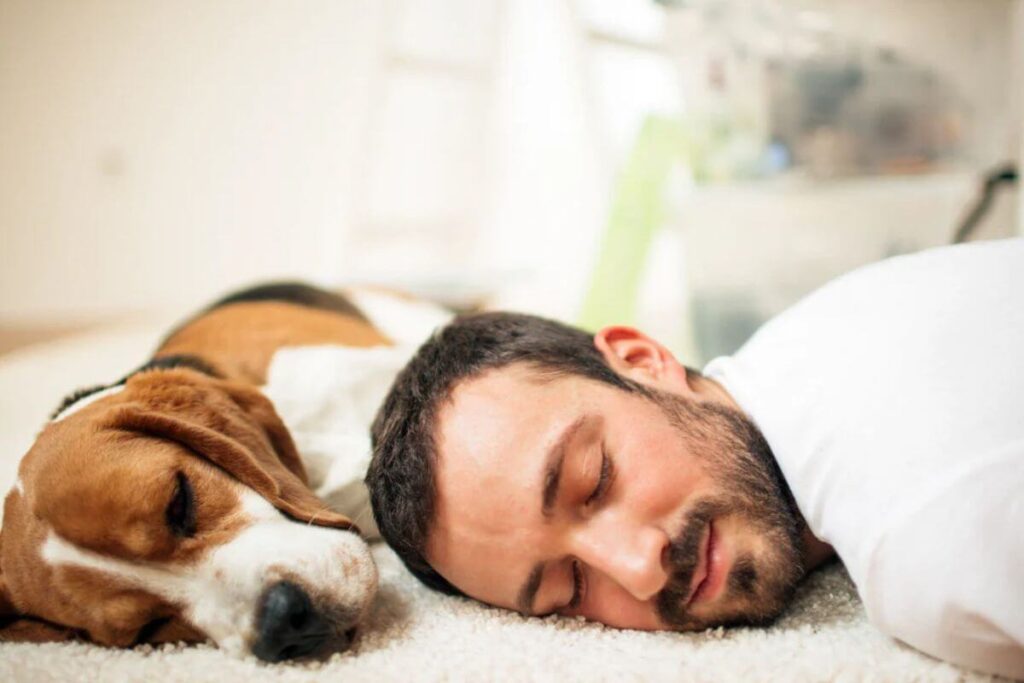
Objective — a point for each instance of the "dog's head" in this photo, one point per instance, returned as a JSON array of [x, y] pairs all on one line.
[[175, 508]]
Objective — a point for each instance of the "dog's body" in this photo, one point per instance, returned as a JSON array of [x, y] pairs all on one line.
[[174, 505]]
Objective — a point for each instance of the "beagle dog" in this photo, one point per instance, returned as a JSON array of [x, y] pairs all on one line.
[[173, 505]]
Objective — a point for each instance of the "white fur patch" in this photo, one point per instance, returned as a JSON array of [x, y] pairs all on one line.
[[405, 321], [83, 402], [327, 397], [220, 593]]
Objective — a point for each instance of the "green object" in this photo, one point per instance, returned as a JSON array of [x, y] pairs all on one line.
[[637, 213]]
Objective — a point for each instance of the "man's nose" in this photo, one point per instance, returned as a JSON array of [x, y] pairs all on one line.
[[634, 556]]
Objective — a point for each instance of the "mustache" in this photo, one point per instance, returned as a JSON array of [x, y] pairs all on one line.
[[683, 558]]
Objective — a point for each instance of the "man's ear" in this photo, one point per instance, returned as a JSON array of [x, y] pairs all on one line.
[[633, 354], [18, 627]]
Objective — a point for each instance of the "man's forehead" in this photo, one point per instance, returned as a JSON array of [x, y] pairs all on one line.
[[501, 415], [496, 431]]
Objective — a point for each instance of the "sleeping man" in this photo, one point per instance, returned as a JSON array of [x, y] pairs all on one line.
[[533, 466]]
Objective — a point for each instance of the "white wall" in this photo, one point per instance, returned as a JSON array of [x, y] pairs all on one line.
[[154, 152], [551, 187], [1017, 91]]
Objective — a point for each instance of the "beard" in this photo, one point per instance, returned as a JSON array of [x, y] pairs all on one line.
[[754, 493]]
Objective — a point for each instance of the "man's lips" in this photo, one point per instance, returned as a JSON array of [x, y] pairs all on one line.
[[709, 578]]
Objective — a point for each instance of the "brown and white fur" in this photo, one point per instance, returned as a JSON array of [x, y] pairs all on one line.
[[174, 505]]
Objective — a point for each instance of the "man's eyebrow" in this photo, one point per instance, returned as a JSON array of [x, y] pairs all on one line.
[[549, 487], [553, 467]]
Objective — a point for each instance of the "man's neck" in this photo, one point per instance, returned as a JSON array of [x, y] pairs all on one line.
[[710, 390]]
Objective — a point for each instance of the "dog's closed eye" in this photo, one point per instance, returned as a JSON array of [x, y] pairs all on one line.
[[149, 629], [181, 513]]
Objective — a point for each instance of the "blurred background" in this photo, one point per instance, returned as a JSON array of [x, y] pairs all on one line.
[[688, 166]]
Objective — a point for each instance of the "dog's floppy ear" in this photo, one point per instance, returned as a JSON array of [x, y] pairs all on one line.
[[18, 627], [230, 424]]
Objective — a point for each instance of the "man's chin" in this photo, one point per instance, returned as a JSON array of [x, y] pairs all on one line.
[[730, 617], [743, 601]]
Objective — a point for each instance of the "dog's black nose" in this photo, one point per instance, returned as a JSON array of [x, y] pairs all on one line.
[[288, 626]]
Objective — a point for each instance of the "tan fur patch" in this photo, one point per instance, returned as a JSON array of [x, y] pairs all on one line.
[[240, 339]]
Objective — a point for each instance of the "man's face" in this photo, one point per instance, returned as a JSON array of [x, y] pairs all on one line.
[[568, 495]]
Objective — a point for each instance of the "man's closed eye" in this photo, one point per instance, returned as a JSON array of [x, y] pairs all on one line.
[[604, 479], [597, 494]]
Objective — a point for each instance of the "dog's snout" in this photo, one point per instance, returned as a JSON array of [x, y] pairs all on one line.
[[288, 625]]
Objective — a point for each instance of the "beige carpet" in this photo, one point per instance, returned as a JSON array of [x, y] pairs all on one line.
[[414, 634]]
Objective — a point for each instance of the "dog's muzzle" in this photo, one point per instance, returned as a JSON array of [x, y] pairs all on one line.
[[289, 626]]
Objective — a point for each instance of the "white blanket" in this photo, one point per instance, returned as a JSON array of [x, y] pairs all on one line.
[[414, 634]]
